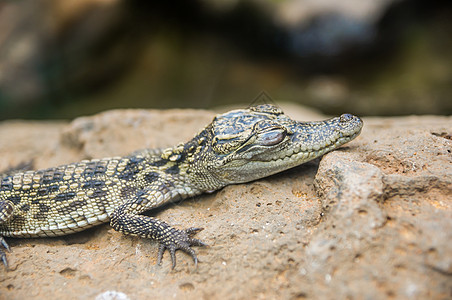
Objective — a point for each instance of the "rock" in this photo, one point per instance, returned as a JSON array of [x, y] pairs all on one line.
[[388, 214], [372, 219], [108, 134]]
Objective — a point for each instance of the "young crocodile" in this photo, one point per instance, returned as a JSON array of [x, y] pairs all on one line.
[[238, 146]]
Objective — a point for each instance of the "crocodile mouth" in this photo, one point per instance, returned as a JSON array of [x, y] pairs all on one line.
[[303, 154]]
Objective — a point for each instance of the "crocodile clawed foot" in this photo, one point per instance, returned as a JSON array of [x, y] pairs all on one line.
[[2, 253], [180, 239]]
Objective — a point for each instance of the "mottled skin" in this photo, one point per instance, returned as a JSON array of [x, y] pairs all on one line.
[[238, 146]]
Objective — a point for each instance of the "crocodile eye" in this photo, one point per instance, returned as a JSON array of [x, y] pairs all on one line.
[[271, 138], [346, 118]]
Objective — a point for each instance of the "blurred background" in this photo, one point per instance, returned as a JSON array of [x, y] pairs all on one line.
[[62, 59]]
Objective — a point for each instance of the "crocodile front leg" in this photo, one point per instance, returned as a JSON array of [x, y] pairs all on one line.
[[127, 219], [6, 211]]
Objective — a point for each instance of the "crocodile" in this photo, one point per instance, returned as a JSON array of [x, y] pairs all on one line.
[[236, 147]]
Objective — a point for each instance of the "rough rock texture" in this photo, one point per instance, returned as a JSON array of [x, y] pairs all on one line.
[[372, 220]]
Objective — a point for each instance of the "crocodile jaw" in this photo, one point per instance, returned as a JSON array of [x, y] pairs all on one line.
[[305, 141], [294, 154], [293, 157]]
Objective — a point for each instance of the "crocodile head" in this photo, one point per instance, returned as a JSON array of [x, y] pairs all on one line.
[[248, 144]]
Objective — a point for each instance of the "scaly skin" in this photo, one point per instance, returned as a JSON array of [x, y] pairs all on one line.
[[238, 146]]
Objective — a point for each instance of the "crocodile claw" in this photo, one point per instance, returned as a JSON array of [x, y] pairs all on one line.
[[180, 239], [2, 253]]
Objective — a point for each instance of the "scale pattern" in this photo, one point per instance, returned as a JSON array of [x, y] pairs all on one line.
[[236, 147]]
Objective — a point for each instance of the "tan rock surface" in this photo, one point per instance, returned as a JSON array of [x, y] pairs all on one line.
[[372, 220]]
